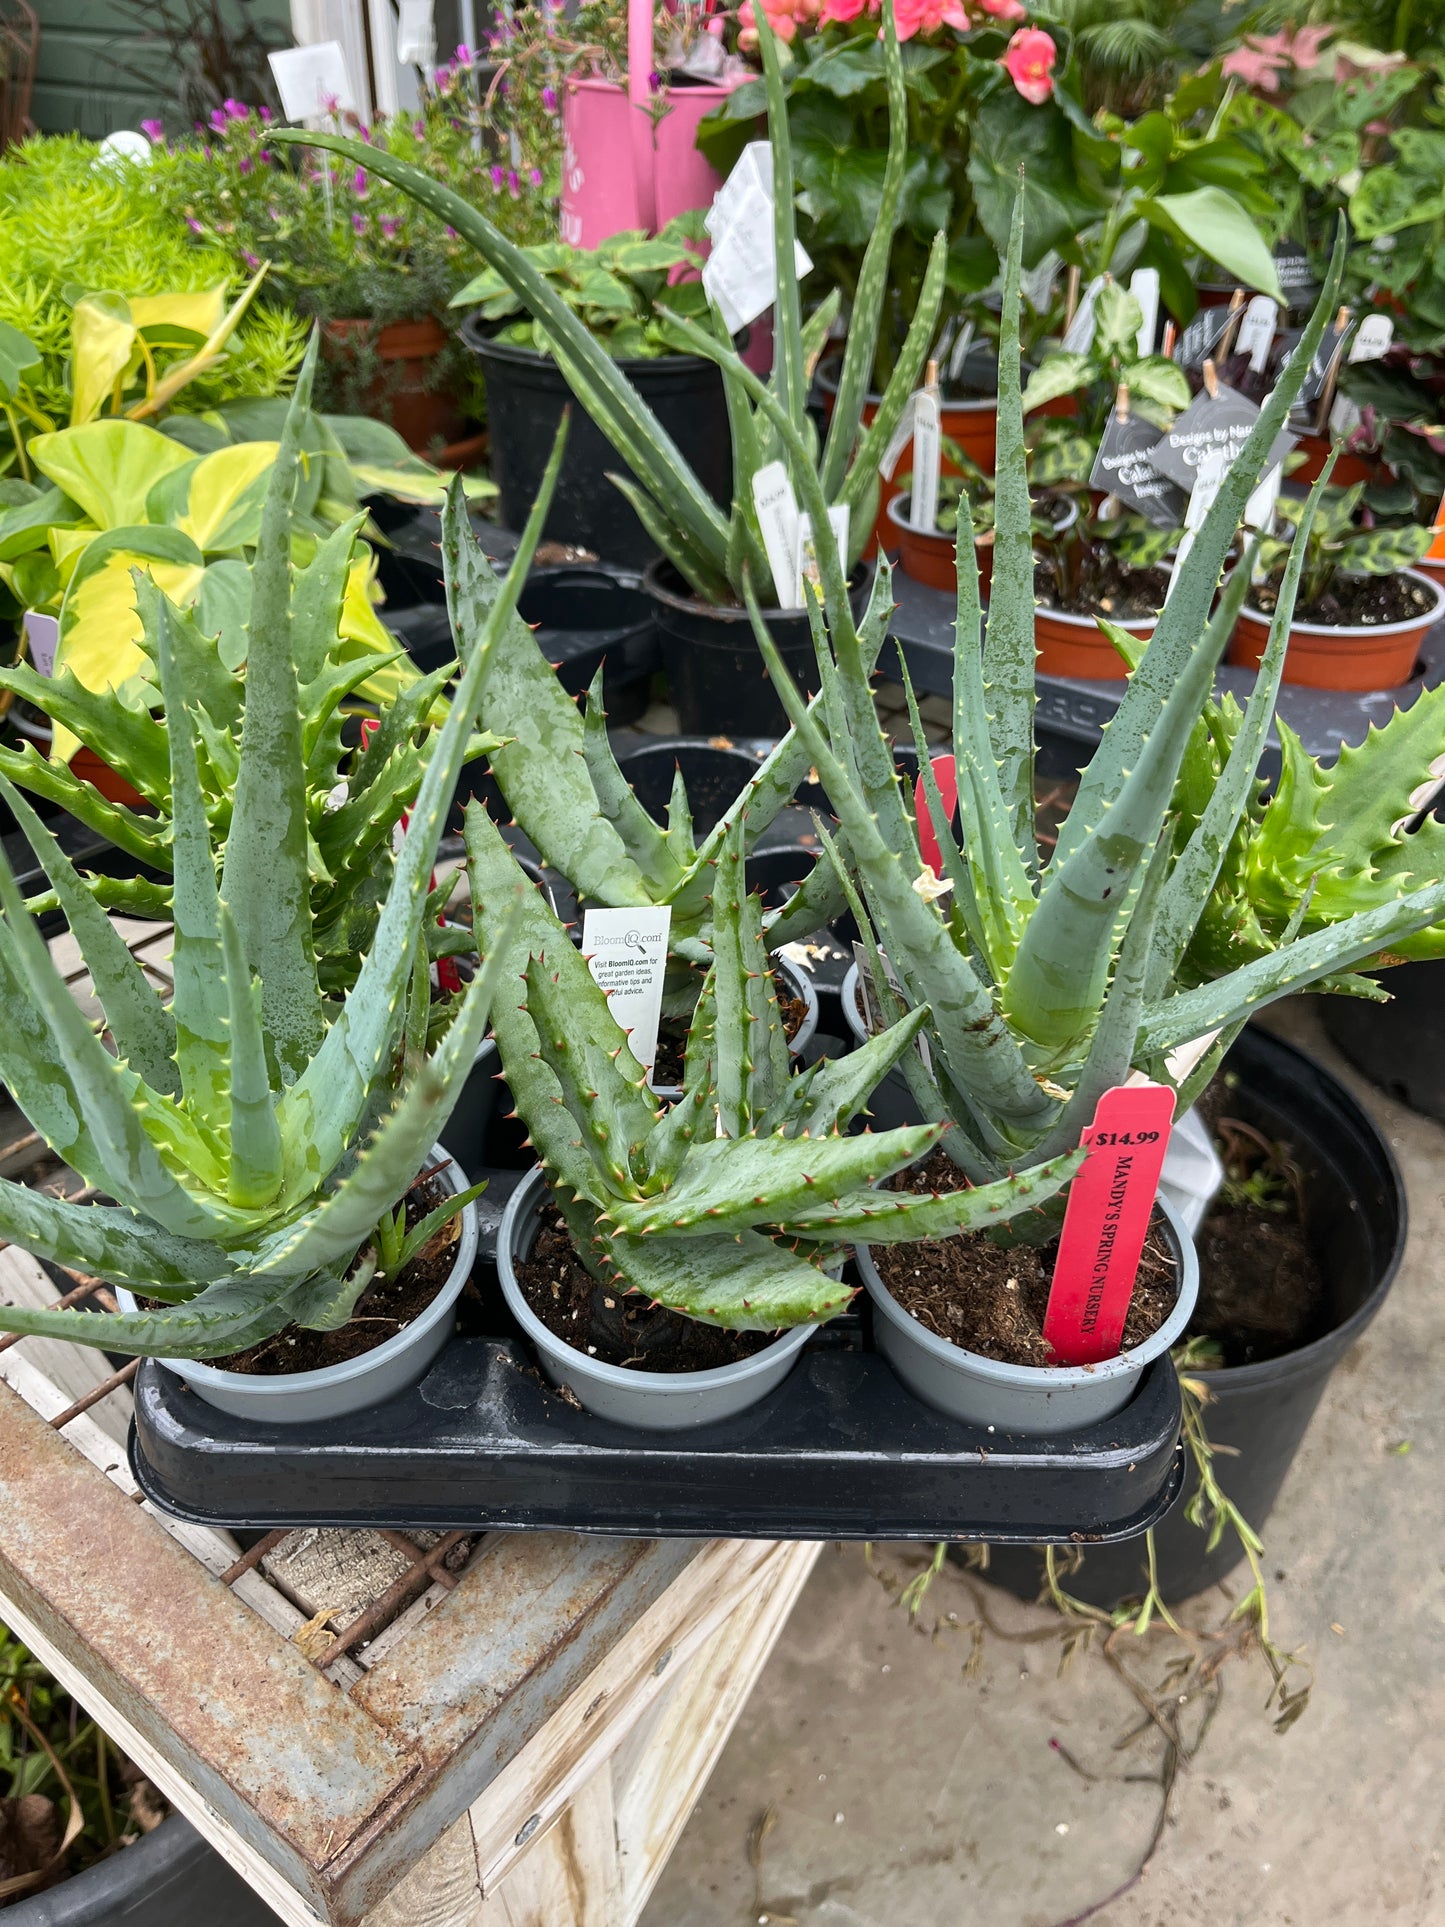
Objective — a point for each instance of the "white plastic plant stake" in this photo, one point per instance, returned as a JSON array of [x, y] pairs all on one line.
[[927, 453], [1208, 480], [1144, 286], [1372, 342], [1193, 1171], [1257, 331], [777, 511], [739, 273], [1079, 336]]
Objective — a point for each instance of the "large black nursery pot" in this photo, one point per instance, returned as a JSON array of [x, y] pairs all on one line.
[[1400, 1045], [168, 1878], [714, 668], [526, 395], [1355, 1222]]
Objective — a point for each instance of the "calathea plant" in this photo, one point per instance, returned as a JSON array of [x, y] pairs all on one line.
[[713, 550], [253, 1134], [1335, 544], [1047, 985], [735, 1205]]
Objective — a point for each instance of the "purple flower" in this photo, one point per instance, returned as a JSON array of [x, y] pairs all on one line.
[[265, 157], [358, 223], [154, 131], [418, 127], [654, 81], [514, 185], [194, 225], [330, 103], [358, 183], [497, 175], [238, 110], [549, 99], [365, 133], [265, 113], [451, 233], [244, 165], [535, 177], [463, 55], [389, 226], [253, 261], [218, 120]]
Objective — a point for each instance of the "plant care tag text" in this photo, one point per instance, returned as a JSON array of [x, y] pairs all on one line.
[[1222, 420], [1123, 467], [739, 274], [777, 512], [42, 639], [1106, 1222], [626, 951]]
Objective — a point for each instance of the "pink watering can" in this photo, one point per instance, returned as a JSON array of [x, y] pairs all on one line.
[[623, 166]]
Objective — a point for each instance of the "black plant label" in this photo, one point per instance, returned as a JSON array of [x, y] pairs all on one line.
[[1223, 420], [1124, 467]]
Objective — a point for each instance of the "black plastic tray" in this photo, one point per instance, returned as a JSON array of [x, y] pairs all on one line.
[[839, 1451]]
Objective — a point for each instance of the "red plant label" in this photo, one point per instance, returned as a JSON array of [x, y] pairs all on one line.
[[945, 771], [1106, 1221]]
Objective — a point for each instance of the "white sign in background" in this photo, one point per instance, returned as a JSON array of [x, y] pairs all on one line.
[[626, 951]]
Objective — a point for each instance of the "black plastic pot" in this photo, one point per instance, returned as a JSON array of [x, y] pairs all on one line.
[[712, 773], [169, 1878], [1355, 1223], [586, 618], [714, 670], [1400, 1045], [526, 394]]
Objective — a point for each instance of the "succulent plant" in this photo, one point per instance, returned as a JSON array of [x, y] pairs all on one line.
[[711, 549], [256, 1138], [1047, 984], [733, 1205]]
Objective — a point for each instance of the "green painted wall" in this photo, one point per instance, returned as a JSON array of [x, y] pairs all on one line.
[[83, 84]]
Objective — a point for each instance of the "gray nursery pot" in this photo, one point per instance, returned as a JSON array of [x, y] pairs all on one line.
[[295, 1398], [892, 1104], [1031, 1399], [650, 1401]]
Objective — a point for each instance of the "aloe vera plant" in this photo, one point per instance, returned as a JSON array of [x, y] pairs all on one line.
[[731, 1206], [1046, 984], [255, 1137], [711, 549]]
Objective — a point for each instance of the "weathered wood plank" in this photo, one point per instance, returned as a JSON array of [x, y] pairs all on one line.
[[74, 1370], [568, 1876]]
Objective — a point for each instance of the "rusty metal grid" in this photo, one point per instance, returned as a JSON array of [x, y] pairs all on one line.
[[439, 1564]]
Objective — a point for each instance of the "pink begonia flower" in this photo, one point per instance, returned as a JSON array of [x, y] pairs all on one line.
[[1264, 56], [842, 11], [1029, 62], [784, 17], [927, 16], [1004, 9]]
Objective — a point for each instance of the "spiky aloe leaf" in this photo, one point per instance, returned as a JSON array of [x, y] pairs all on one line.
[[317, 593], [256, 1164], [116, 723], [728, 1184], [142, 1028], [1202, 858], [969, 1031], [1183, 627], [323, 1303], [210, 686], [1009, 653], [817, 902], [955, 870], [599, 385], [894, 1217], [266, 876], [1367, 790], [733, 1047], [108, 1243], [645, 843], [872, 289], [837, 1089], [788, 373], [692, 1117], [321, 1111], [1339, 946], [744, 1283], [602, 1084], [136, 835], [108, 1096], [225, 1317], [860, 491], [699, 574]]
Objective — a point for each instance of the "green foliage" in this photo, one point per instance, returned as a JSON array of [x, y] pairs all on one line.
[[621, 291], [734, 1207], [714, 551], [1046, 985], [1158, 388], [1335, 544], [252, 1131]]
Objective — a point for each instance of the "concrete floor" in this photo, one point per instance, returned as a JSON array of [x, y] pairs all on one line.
[[901, 1793]]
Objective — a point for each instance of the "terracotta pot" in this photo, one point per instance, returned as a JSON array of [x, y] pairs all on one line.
[[929, 556], [422, 416], [84, 764], [1076, 646], [1434, 567], [1380, 656], [1348, 469]]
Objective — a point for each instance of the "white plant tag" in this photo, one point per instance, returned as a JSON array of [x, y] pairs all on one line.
[[626, 951], [1257, 331], [1192, 1171], [313, 81], [42, 639], [1373, 338], [927, 459], [1144, 286], [777, 510], [899, 439], [738, 274], [808, 570], [1259, 510], [1079, 337], [1208, 480], [962, 347]]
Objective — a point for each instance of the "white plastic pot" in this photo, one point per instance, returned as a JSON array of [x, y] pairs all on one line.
[[295, 1398], [650, 1401], [1031, 1399]]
